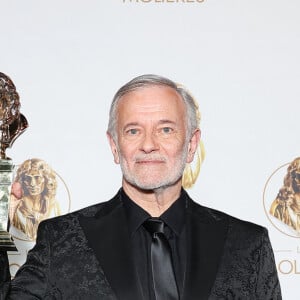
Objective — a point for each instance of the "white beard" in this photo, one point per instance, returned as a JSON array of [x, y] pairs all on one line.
[[148, 183]]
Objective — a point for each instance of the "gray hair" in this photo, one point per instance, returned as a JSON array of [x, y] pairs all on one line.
[[154, 80]]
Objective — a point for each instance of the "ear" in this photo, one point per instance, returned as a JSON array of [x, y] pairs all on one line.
[[193, 145], [113, 148]]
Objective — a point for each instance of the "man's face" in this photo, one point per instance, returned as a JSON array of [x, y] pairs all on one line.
[[34, 182], [152, 146]]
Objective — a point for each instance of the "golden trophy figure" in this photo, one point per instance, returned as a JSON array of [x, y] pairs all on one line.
[[12, 124]]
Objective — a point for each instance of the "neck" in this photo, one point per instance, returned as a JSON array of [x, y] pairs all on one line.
[[154, 202], [34, 200]]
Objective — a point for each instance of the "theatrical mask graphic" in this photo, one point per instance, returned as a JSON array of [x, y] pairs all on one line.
[[286, 206], [38, 202]]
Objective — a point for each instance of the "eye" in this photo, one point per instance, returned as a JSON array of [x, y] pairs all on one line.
[[38, 178], [27, 178], [132, 131], [167, 130]]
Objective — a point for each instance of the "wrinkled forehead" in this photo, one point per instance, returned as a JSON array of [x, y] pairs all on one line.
[[152, 99]]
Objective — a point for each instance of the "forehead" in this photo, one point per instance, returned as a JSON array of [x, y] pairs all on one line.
[[151, 100], [33, 172]]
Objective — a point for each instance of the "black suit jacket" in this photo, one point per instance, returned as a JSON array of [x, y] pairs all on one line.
[[86, 255]]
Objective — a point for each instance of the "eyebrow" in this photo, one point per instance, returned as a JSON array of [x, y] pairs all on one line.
[[131, 124], [166, 121], [160, 122]]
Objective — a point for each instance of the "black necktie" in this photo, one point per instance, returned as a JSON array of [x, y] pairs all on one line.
[[164, 282]]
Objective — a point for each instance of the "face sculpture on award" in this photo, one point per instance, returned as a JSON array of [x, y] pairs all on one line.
[[12, 124]]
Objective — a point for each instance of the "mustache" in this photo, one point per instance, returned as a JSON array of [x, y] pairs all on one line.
[[149, 157]]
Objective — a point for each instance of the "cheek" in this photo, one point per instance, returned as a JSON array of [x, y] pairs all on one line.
[[173, 152], [128, 149]]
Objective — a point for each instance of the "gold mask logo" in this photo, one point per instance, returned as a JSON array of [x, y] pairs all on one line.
[[44, 195], [282, 198]]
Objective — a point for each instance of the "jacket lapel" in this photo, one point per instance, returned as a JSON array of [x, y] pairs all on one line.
[[108, 236], [206, 235]]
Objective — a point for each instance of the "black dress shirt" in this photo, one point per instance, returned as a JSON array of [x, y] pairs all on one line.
[[175, 220]]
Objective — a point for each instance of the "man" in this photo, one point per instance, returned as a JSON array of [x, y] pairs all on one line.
[[106, 251]]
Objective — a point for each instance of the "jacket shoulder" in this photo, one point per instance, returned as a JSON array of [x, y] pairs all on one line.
[[234, 223], [89, 211]]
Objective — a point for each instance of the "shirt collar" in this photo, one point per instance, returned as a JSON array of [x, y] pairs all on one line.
[[174, 216]]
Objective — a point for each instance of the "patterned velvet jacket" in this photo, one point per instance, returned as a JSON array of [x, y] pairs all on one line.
[[86, 255]]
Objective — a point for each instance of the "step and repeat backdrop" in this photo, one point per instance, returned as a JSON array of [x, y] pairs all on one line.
[[239, 58]]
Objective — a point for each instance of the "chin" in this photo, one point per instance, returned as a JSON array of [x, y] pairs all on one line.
[[150, 186]]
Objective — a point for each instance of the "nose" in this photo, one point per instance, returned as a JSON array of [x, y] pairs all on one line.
[[32, 181], [149, 143]]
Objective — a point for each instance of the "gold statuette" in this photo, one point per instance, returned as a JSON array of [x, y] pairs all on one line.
[[12, 124]]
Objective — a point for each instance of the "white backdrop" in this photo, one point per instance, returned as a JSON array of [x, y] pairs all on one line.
[[239, 58]]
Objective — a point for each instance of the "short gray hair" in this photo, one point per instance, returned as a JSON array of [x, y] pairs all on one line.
[[154, 80]]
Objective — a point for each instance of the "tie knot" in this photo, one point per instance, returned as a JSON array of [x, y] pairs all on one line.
[[154, 225]]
